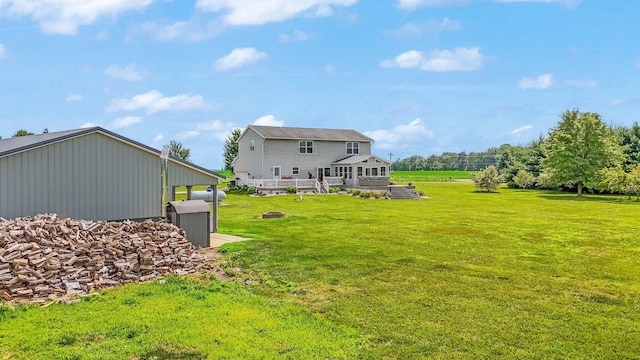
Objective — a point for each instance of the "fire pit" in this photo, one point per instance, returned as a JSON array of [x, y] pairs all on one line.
[[272, 214]]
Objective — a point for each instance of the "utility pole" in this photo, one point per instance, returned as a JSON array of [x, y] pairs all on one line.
[[390, 155]]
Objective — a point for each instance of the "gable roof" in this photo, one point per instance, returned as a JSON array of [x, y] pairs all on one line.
[[355, 159], [295, 133], [24, 143], [21, 143]]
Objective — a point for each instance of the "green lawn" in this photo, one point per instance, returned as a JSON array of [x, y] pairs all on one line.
[[514, 274], [401, 177]]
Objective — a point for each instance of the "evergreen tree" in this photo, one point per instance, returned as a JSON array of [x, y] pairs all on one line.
[[231, 148]]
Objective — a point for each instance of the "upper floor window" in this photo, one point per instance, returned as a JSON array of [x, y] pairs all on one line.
[[252, 145], [306, 147], [352, 148]]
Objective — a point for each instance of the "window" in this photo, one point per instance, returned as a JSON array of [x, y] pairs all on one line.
[[352, 148], [359, 170], [252, 145], [306, 147], [295, 170], [383, 171], [374, 171], [368, 171], [350, 172]]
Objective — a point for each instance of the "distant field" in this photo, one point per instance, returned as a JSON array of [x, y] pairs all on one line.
[[428, 176]]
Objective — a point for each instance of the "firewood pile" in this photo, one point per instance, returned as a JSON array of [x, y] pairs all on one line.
[[46, 258]]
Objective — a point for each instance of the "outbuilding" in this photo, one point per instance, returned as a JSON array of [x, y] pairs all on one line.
[[92, 174]]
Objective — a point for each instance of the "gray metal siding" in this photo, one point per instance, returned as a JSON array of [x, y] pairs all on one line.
[[90, 177], [196, 227], [180, 174]]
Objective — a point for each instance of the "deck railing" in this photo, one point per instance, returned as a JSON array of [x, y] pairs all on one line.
[[279, 183]]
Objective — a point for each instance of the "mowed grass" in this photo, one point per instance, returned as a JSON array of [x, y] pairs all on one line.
[[175, 319], [463, 274], [429, 176], [515, 274]]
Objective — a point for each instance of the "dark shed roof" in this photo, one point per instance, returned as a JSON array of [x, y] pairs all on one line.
[[278, 132], [23, 143]]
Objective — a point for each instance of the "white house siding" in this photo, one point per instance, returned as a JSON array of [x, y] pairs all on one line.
[[94, 176], [251, 161], [286, 153]]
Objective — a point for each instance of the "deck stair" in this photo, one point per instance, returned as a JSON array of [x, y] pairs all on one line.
[[403, 192]]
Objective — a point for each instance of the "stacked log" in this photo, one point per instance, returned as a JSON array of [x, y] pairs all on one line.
[[45, 258]]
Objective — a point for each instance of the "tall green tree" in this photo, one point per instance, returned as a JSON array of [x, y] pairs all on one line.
[[22, 132], [578, 148], [231, 148], [178, 151]]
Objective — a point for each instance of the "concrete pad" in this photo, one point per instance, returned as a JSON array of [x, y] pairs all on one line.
[[216, 239]]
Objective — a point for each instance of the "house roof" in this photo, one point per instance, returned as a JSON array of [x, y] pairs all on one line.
[[355, 159], [24, 143], [278, 132]]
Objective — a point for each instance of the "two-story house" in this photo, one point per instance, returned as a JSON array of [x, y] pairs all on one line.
[[271, 152]]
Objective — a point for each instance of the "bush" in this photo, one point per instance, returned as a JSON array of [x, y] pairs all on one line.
[[524, 179], [291, 189], [488, 179]]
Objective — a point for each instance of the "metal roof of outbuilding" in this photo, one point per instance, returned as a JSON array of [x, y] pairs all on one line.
[[24, 143]]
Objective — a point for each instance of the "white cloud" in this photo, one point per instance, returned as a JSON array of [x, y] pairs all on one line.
[[3, 51], [296, 36], [404, 136], [431, 26], [88, 125], [213, 125], [125, 121], [582, 83], [154, 101], [239, 57], [158, 138], [217, 129], [193, 29], [74, 97], [329, 70], [540, 83], [268, 120], [64, 17], [570, 4], [460, 59], [187, 135], [252, 12], [523, 129], [414, 4], [128, 73], [619, 102]]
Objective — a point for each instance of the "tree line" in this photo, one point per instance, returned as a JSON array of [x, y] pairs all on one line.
[[581, 152]]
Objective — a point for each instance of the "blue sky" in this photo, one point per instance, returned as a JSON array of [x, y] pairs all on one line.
[[418, 76]]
